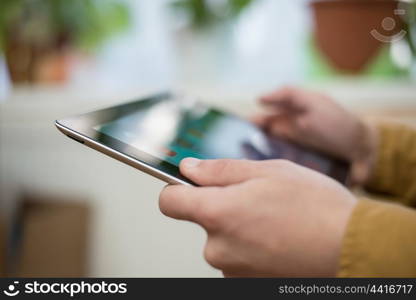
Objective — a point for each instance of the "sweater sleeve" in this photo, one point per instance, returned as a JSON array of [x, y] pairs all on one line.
[[394, 172], [380, 241]]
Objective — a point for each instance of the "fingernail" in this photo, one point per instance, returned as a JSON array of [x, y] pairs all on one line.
[[191, 162]]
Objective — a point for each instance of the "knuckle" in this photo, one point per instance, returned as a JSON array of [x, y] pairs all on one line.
[[222, 165], [210, 215], [213, 255]]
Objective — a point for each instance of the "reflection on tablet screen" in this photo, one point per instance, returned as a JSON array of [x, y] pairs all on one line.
[[173, 130]]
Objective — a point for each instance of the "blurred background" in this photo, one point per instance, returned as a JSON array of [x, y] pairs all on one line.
[[66, 210]]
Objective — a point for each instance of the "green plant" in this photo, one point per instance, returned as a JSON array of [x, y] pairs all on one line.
[[82, 23], [411, 26], [206, 12]]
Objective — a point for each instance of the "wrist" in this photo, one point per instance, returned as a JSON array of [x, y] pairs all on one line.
[[363, 160]]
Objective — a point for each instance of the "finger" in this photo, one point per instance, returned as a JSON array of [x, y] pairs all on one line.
[[221, 172], [278, 95], [186, 202], [262, 119], [283, 127], [277, 125], [285, 100]]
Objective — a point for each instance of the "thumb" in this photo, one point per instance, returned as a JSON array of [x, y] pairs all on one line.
[[221, 172]]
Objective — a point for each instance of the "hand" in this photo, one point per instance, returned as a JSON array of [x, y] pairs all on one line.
[[263, 218], [315, 120]]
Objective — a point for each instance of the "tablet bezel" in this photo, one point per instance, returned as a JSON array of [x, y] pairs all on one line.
[[82, 129]]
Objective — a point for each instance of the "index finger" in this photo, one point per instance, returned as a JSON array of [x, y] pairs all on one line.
[[189, 203]]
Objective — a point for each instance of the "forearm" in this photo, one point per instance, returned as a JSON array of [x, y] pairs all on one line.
[[379, 241]]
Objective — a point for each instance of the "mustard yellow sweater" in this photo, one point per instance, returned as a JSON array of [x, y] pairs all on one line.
[[380, 240]]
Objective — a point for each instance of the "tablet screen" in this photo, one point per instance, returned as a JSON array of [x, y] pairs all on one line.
[[175, 129]]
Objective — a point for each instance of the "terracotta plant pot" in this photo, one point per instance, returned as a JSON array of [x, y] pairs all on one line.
[[343, 30], [31, 63]]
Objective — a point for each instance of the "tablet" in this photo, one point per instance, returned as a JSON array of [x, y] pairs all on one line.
[[154, 134]]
